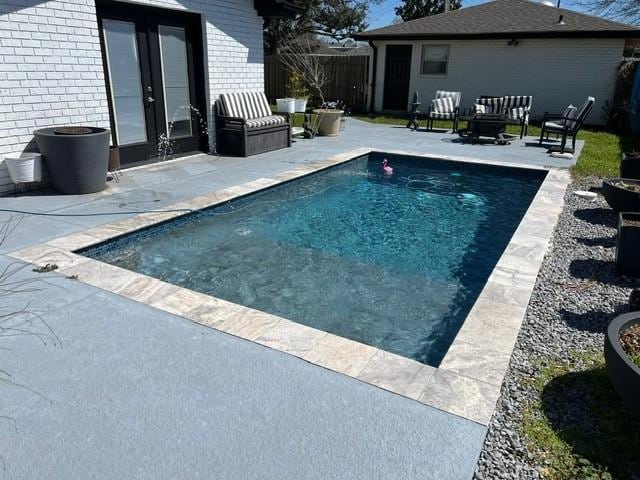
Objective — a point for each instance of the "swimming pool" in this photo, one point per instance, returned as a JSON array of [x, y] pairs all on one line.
[[395, 262]]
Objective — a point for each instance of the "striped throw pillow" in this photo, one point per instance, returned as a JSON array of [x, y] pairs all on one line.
[[442, 105], [516, 113], [491, 104]]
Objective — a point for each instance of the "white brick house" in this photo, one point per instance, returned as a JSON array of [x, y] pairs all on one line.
[[56, 66], [504, 47]]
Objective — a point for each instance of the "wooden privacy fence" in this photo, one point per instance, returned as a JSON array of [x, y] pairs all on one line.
[[348, 79]]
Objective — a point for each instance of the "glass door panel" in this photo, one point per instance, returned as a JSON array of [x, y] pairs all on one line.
[[175, 80], [121, 50]]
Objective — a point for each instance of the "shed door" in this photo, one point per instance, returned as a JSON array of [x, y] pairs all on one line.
[[397, 76]]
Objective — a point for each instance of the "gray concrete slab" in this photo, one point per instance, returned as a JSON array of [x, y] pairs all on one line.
[[137, 393]]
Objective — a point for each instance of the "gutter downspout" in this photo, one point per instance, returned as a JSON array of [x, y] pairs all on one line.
[[374, 67]]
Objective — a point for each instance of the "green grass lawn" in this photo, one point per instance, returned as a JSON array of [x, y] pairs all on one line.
[[576, 427], [600, 155]]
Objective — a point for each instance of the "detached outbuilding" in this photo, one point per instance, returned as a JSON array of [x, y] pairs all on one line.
[[504, 47]]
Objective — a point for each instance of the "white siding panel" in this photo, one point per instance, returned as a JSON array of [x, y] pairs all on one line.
[[555, 71]]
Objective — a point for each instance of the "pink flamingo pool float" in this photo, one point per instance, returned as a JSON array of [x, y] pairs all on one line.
[[386, 168]]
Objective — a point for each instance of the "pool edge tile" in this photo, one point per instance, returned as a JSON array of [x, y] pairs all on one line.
[[465, 397]]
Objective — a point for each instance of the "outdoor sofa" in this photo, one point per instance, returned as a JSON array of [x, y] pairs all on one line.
[[515, 107], [245, 125], [566, 124]]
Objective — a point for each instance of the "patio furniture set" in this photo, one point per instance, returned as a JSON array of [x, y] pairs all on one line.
[[490, 116], [245, 124]]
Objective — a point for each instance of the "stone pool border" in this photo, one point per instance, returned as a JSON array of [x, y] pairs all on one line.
[[467, 382]]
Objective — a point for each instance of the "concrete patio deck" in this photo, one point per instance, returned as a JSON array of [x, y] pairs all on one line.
[[129, 391]]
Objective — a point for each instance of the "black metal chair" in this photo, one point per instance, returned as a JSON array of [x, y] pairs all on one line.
[[445, 106], [565, 125], [517, 109]]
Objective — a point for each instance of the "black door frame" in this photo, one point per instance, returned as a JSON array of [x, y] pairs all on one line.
[[146, 20], [386, 86]]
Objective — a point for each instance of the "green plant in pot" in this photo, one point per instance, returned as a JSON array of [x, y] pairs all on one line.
[[299, 91]]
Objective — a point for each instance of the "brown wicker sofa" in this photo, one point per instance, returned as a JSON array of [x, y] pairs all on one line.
[[246, 126]]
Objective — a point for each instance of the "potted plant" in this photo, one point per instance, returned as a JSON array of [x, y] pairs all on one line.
[[630, 165], [24, 167], [298, 55], [622, 194], [299, 91], [622, 357], [329, 119], [628, 244], [76, 157]]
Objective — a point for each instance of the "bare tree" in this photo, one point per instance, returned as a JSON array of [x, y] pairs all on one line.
[[298, 55], [627, 11]]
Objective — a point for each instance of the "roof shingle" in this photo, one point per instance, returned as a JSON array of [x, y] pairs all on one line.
[[504, 19]]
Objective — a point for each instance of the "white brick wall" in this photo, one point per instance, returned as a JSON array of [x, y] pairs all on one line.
[[555, 71], [51, 69]]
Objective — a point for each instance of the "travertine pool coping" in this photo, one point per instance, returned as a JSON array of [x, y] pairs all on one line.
[[467, 382]]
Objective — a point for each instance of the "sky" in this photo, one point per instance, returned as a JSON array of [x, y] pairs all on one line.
[[383, 14]]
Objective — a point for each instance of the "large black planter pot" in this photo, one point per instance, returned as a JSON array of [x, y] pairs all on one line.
[[621, 199], [624, 375], [630, 165], [76, 163], [628, 244]]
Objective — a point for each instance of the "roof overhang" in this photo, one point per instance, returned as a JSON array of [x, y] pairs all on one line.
[[500, 35], [277, 8]]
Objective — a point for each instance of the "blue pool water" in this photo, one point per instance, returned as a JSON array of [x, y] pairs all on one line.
[[394, 262]]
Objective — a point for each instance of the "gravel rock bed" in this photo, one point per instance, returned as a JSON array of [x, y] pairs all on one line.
[[576, 294]]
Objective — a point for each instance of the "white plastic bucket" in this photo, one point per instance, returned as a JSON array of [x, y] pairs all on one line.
[[301, 105], [24, 167], [286, 105]]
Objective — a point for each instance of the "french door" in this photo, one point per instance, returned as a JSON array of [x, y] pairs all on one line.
[[154, 68]]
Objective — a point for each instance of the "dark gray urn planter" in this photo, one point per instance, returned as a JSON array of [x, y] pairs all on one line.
[[624, 375], [630, 165], [76, 163], [621, 199], [628, 244]]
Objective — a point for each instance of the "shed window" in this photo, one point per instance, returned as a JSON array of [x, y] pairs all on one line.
[[435, 59]]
